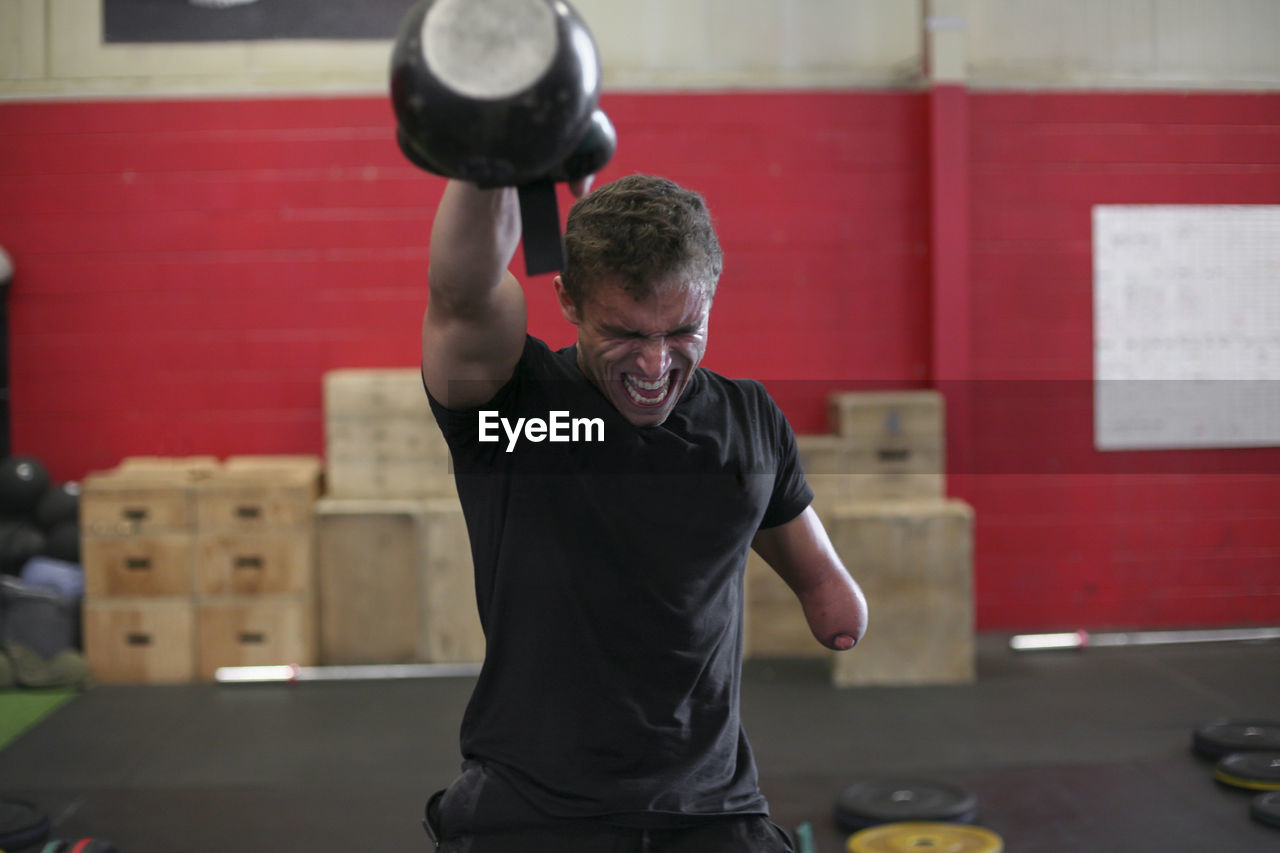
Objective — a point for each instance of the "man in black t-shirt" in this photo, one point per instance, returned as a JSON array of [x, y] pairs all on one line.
[[611, 491]]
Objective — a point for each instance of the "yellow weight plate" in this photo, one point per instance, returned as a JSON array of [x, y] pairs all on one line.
[[1248, 784], [1256, 771], [925, 838]]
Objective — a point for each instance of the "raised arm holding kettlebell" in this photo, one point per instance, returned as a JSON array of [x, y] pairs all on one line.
[[500, 96], [475, 322]]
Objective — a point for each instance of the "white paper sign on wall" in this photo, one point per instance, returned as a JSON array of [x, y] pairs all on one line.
[[1186, 307]]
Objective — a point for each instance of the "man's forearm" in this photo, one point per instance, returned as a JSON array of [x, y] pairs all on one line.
[[473, 239]]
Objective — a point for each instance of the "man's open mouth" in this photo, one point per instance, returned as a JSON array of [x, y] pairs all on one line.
[[646, 393]]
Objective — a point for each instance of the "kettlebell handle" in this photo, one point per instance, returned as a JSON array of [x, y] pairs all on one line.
[[539, 211]]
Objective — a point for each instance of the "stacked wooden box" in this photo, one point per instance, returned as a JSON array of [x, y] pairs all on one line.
[[137, 545], [380, 438], [394, 561], [879, 489], [191, 565], [254, 589]]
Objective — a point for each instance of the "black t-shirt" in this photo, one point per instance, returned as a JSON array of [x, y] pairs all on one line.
[[609, 580]]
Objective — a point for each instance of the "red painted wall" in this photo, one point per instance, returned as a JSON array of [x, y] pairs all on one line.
[[1068, 536], [188, 270]]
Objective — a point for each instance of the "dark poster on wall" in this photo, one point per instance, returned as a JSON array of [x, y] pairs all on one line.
[[149, 21]]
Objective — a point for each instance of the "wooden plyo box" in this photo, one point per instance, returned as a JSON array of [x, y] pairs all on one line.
[[254, 631], [191, 565], [840, 471], [886, 445], [381, 440], [156, 564], [126, 502], [254, 574], [253, 564], [914, 562], [252, 501], [254, 529], [140, 640], [887, 419], [395, 583], [137, 547]]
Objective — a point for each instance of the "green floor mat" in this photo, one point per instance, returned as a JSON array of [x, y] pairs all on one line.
[[22, 709]]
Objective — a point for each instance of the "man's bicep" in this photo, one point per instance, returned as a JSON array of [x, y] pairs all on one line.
[[799, 550], [802, 554], [468, 356]]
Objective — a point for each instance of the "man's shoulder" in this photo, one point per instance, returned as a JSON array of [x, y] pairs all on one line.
[[540, 357], [743, 400], [538, 365], [741, 389]]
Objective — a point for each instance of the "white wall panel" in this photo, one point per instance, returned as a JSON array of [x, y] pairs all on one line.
[[673, 43], [22, 39], [1131, 43], [662, 44], [54, 47]]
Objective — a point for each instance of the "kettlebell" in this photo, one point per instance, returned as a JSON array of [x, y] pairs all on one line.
[[503, 93]]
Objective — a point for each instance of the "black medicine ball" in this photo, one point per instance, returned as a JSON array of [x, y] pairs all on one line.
[[23, 479], [58, 504], [62, 541], [20, 540]]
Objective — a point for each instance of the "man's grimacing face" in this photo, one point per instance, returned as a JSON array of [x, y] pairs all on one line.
[[640, 353]]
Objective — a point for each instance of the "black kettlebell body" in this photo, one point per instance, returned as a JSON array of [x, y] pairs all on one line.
[[495, 92]]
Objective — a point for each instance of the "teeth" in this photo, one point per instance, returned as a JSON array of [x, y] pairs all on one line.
[[645, 401], [631, 384], [651, 386]]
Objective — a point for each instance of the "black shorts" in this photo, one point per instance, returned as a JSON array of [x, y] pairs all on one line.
[[480, 813]]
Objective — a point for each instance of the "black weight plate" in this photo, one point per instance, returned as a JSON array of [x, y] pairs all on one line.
[[1227, 735], [1266, 808], [21, 824], [1259, 771], [869, 802]]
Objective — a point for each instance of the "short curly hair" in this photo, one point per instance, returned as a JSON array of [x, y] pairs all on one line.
[[639, 231]]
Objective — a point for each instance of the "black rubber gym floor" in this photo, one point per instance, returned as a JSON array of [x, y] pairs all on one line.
[[1072, 751]]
